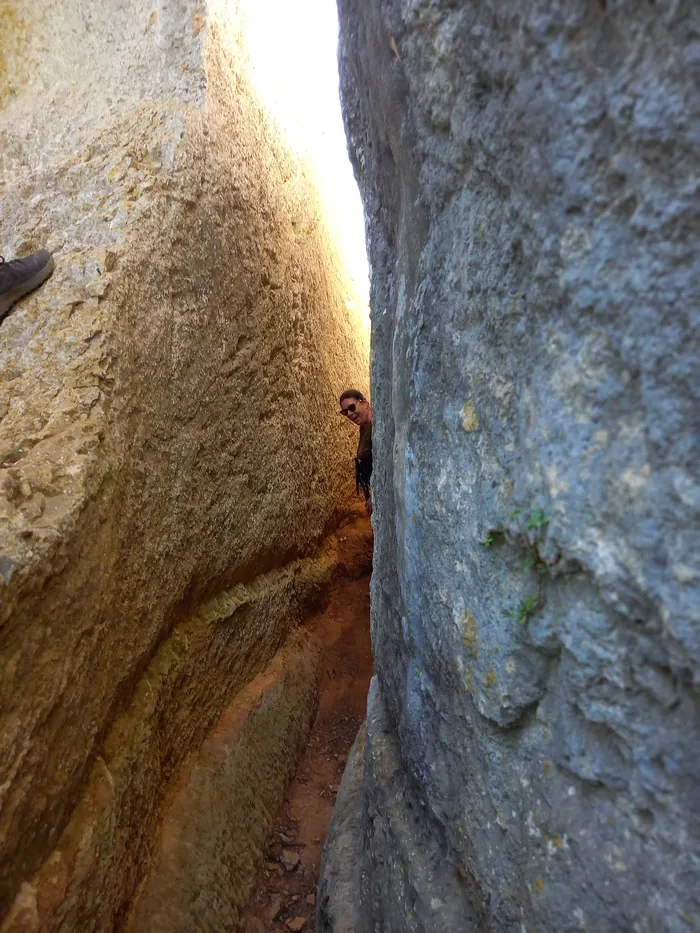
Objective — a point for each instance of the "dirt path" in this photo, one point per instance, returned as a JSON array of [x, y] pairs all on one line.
[[283, 897]]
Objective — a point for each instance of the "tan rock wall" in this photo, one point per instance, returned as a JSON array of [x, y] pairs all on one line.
[[167, 429], [222, 811]]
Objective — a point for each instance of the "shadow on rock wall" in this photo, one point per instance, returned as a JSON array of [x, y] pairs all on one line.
[[531, 760]]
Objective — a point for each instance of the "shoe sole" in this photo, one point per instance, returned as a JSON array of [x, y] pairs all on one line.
[[19, 291]]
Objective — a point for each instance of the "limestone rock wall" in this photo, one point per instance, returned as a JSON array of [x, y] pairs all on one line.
[[532, 753], [170, 456]]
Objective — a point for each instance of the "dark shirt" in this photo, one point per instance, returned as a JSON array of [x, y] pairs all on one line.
[[364, 454]]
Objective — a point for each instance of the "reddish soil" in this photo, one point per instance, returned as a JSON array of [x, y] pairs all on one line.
[[281, 898]]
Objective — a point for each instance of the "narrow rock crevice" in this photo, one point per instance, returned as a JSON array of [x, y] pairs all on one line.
[[184, 653]]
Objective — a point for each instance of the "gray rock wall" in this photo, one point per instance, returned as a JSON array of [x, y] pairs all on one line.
[[530, 178]]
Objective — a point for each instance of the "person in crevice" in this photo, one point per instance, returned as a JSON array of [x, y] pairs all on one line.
[[354, 405], [21, 276]]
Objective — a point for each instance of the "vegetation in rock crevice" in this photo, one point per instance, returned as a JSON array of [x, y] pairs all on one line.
[[529, 535]]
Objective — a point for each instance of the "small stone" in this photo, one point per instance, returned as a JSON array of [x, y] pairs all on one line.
[[681, 573], [334, 788], [55, 244], [254, 925], [34, 507], [289, 860], [73, 296], [296, 924], [87, 396], [275, 909], [296, 897], [110, 260], [7, 567], [99, 288], [311, 900]]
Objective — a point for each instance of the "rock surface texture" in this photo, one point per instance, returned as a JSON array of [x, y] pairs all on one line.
[[532, 755], [170, 456]]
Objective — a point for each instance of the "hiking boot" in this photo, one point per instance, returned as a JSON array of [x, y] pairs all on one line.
[[21, 276]]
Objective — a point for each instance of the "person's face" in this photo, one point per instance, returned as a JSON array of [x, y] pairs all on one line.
[[356, 410]]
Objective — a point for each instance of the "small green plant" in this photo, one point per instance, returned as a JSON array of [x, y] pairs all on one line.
[[530, 536], [533, 561], [537, 521], [529, 533], [11, 456], [527, 607]]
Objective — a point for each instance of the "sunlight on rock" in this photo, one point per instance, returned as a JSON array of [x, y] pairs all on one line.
[[294, 70]]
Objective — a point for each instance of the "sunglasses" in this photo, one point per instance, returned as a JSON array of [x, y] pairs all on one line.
[[349, 410]]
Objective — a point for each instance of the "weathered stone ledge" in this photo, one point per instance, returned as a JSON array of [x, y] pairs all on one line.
[[104, 852], [221, 811]]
